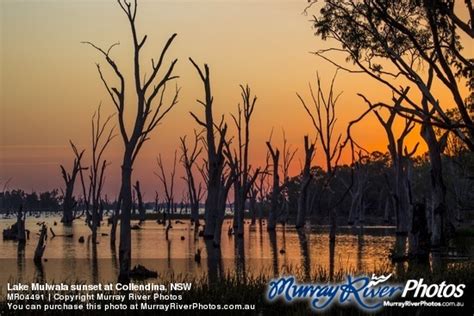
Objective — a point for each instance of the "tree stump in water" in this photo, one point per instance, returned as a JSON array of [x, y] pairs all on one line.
[[420, 236], [16, 231], [11, 233], [41, 244], [21, 237]]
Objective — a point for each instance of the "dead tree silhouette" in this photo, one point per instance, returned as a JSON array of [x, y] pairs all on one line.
[[438, 211], [262, 187], [275, 155], [141, 206], [227, 180], [188, 159], [243, 182], [324, 121], [69, 203], [168, 184], [358, 190], [101, 134], [215, 156], [287, 158], [400, 156], [306, 177], [151, 108]]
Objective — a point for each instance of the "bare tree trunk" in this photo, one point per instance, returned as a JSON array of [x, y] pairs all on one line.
[[141, 207], [226, 184], [195, 213], [252, 206], [69, 181], [237, 207], [332, 224], [380, 201], [115, 218], [387, 211], [420, 237], [215, 156], [362, 211], [357, 204], [125, 246], [20, 225], [438, 189], [168, 184], [95, 223], [150, 112], [438, 212], [324, 121], [188, 159], [245, 183], [41, 246], [241, 212], [401, 197], [306, 178], [276, 189]]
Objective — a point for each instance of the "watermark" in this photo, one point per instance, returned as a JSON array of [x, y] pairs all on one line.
[[367, 293], [43, 298]]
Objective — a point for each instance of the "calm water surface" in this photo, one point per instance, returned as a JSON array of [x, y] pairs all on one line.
[[259, 252]]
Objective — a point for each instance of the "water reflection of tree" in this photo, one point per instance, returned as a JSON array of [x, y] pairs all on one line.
[[113, 251], [20, 258], [214, 262], [138, 238], [360, 249], [400, 245], [92, 258], [260, 233], [168, 252], [273, 247], [332, 250], [305, 258], [39, 272], [94, 264], [239, 258], [192, 240], [283, 247], [68, 247]]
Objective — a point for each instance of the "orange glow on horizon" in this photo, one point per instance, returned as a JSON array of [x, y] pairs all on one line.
[[50, 87]]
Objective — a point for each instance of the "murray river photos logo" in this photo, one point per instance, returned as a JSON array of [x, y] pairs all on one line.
[[368, 293]]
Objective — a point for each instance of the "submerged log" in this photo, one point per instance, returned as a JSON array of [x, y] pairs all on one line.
[[140, 272], [53, 234]]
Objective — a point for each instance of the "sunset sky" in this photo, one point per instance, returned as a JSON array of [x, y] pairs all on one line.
[[50, 87]]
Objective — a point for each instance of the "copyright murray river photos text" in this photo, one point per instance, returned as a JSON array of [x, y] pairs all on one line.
[[106, 297]]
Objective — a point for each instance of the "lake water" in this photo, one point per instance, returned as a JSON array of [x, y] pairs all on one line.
[[259, 252]]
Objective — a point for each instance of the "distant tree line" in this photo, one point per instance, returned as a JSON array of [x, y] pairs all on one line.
[[11, 200], [375, 204]]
